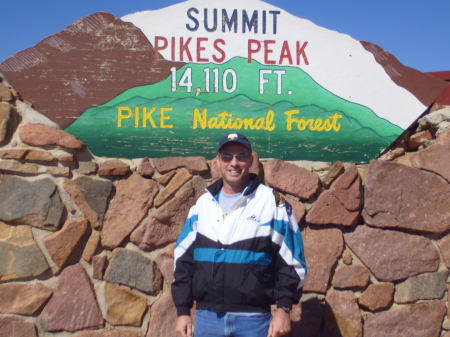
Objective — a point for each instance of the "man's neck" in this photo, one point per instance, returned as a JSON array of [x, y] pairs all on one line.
[[231, 189]]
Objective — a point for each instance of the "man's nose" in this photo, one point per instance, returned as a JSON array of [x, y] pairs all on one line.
[[234, 161]]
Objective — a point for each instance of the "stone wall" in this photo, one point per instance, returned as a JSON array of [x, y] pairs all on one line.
[[86, 243]]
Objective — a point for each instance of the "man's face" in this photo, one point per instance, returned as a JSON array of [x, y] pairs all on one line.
[[235, 173]]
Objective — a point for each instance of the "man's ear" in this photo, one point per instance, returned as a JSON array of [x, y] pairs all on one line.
[[250, 160]]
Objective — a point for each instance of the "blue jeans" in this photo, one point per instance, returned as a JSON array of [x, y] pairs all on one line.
[[213, 324]]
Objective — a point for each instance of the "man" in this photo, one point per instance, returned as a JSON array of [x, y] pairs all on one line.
[[239, 252]]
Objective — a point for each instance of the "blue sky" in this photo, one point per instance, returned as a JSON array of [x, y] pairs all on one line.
[[415, 31]]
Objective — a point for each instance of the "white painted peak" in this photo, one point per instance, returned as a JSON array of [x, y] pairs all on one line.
[[337, 62]]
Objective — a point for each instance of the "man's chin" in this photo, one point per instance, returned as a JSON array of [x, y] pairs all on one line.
[[234, 177]]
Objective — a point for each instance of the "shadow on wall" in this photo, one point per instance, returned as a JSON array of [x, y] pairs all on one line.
[[308, 319]]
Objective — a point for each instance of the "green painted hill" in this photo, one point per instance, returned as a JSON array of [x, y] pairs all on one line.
[[191, 135], [294, 118]]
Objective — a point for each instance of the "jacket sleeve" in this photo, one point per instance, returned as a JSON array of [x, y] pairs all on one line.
[[290, 262], [184, 265]]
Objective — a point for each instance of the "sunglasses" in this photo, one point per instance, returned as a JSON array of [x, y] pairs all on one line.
[[227, 158]]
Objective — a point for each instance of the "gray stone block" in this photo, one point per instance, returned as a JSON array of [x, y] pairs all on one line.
[[36, 203], [131, 269]]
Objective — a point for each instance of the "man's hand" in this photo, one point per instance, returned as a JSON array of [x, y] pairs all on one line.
[[184, 326], [280, 325]]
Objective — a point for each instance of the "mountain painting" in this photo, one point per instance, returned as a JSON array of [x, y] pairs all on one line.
[[325, 126], [172, 82]]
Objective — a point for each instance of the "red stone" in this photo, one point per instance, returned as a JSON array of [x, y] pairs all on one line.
[[347, 257], [341, 203], [327, 210], [113, 168], [215, 171], [180, 178], [392, 255], [164, 261], [22, 299], [67, 158], [5, 121], [61, 244], [91, 246], [26, 155], [426, 286], [13, 154], [444, 138], [195, 165], [406, 198], [5, 93], [342, 315], [323, 248], [306, 317], [40, 135], [256, 167], [73, 305], [87, 167], [91, 197], [99, 263], [11, 326], [165, 178], [347, 277], [145, 169], [35, 155], [444, 246], [164, 225], [111, 333], [417, 139], [133, 198], [377, 296], [298, 207], [332, 174], [163, 317], [58, 171], [291, 179], [124, 307], [416, 320], [14, 93], [435, 158]]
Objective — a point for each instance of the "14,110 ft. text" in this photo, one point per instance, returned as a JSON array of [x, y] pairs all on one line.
[[227, 81]]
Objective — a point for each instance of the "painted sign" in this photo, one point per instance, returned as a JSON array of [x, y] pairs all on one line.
[[171, 82]]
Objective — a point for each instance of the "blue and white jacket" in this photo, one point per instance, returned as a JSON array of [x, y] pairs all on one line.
[[243, 263]]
